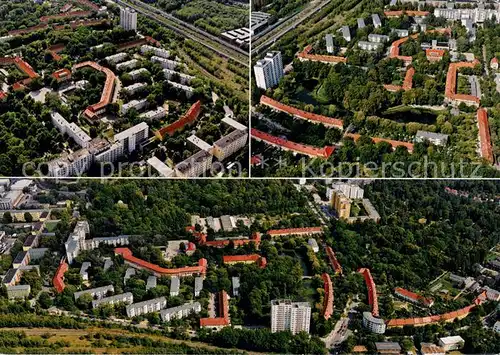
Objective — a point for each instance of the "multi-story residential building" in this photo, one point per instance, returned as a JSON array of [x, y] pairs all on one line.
[[377, 22], [165, 63], [361, 23], [128, 19], [199, 143], [159, 52], [374, 324], [76, 240], [180, 311], [132, 89], [372, 37], [144, 307], [129, 64], [151, 282], [18, 291], [175, 284], [434, 138], [116, 58], [110, 155], [132, 137], [128, 274], [236, 286], [352, 191], [475, 15], [134, 104], [401, 32], [313, 244], [290, 316], [195, 165], [162, 168], [329, 43], [346, 33], [181, 77], [269, 70], [370, 46], [135, 74], [187, 89], [84, 270], [22, 258], [156, 114], [496, 326], [451, 343], [198, 286], [98, 292], [233, 123], [230, 144], [127, 297], [71, 129], [10, 199]]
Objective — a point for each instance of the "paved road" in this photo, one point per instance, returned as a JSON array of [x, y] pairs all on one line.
[[190, 31], [268, 40]]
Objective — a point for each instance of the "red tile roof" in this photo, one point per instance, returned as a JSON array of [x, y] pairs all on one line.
[[328, 301], [79, 23], [484, 135], [451, 82], [372, 290], [434, 54], [305, 54], [27, 30], [405, 12], [62, 74], [292, 231], [66, 15], [308, 116], [394, 53], [24, 67], [202, 239], [107, 92], [256, 159], [333, 260], [223, 320], [323, 153], [200, 269], [3, 95], [447, 317], [408, 82], [58, 280], [189, 117], [252, 258], [413, 296], [393, 143]]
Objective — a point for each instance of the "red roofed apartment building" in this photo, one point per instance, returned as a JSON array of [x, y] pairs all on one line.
[[451, 84], [434, 55], [446, 317], [245, 259], [58, 280], [376, 140], [80, 23], [328, 59], [221, 243], [223, 320], [189, 117], [94, 110], [313, 152], [486, 149], [394, 52], [140, 264], [328, 301], [28, 30], [22, 66], [413, 297], [295, 231], [295, 112], [333, 260], [406, 12], [46, 19], [372, 290], [407, 83], [62, 75]]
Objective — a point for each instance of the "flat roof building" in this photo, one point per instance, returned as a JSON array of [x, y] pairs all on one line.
[[98, 292], [198, 286], [180, 311], [144, 307], [127, 297], [175, 284]]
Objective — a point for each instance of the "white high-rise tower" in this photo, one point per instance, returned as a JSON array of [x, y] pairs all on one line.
[[128, 19], [269, 70], [292, 316]]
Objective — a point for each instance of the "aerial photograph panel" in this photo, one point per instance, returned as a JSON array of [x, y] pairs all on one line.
[[250, 266], [381, 85], [124, 88]]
